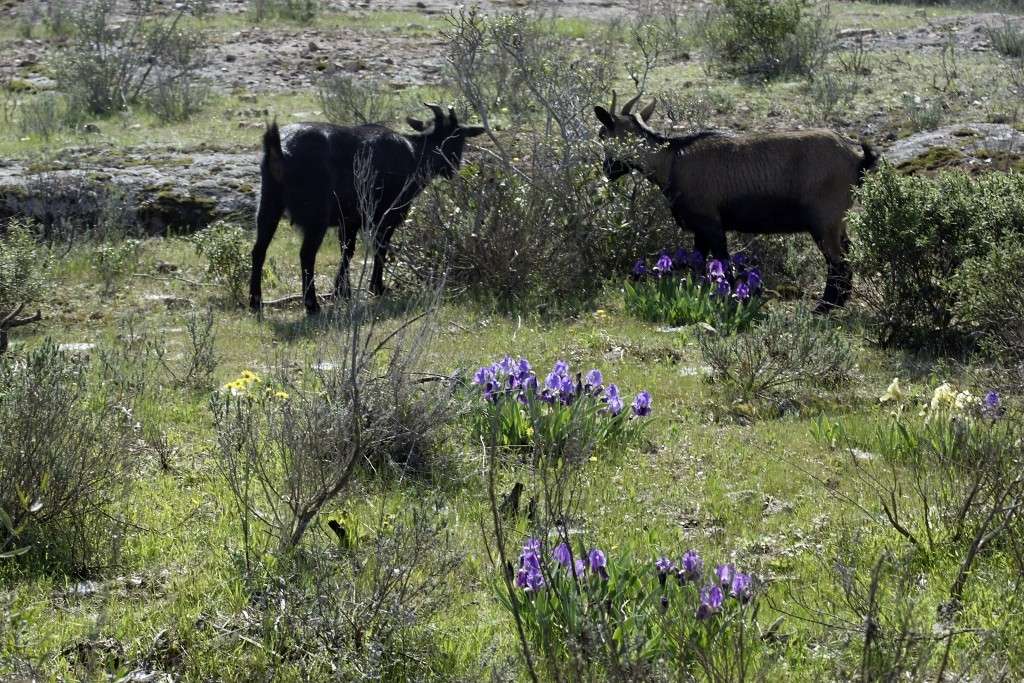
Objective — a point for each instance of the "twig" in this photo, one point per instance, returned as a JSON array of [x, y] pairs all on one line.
[[295, 298], [169, 278]]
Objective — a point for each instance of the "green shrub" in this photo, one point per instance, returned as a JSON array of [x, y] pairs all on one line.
[[23, 265], [769, 38], [64, 458], [226, 248], [913, 235], [300, 11], [787, 356], [115, 260], [348, 101], [990, 305], [1007, 39]]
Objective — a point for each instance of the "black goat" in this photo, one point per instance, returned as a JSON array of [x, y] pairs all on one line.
[[352, 177]]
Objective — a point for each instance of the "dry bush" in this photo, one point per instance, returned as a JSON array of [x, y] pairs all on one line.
[[65, 461], [368, 608], [787, 356], [148, 58], [290, 444]]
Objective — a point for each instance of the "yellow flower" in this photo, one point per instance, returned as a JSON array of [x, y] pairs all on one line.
[[893, 393], [943, 397], [964, 400], [282, 395]]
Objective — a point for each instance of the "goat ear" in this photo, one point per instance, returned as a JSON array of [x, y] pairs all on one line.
[[472, 131], [646, 112], [416, 124], [606, 119]]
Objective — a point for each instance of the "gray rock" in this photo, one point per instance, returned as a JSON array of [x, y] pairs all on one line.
[[971, 139]]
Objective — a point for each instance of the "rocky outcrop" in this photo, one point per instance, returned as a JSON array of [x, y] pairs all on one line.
[[152, 191]]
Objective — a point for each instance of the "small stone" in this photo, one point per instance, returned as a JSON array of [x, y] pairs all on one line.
[[230, 58], [76, 347]]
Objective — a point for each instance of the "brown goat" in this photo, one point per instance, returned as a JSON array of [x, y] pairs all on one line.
[[762, 184]]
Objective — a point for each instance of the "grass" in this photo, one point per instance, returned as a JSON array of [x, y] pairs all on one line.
[[704, 482]]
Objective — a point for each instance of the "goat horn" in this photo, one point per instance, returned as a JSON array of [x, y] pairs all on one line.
[[629, 105], [615, 96], [436, 108], [646, 112]]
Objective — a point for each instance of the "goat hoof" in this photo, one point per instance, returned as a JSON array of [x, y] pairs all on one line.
[[824, 308]]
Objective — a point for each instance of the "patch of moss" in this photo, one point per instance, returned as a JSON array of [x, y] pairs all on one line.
[[168, 210], [933, 160], [18, 85]]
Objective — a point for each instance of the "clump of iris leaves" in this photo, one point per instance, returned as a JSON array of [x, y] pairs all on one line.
[[517, 410], [677, 609], [682, 289]]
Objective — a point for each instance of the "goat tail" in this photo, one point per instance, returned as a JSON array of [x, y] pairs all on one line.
[[273, 157], [868, 163]]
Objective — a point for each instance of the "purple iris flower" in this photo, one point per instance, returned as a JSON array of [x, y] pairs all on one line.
[[523, 368], [664, 264], [521, 578], [722, 287], [553, 381], [990, 405], [664, 566], [534, 580], [580, 566], [681, 256], [739, 260], [598, 563], [741, 586], [754, 279], [642, 404], [742, 291], [491, 391], [724, 573], [594, 378], [567, 390], [506, 365], [531, 545], [715, 269], [614, 401], [691, 566], [639, 268], [530, 383], [711, 598], [561, 367], [482, 376], [562, 555]]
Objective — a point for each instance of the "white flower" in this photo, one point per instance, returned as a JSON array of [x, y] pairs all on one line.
[[893, 393]]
